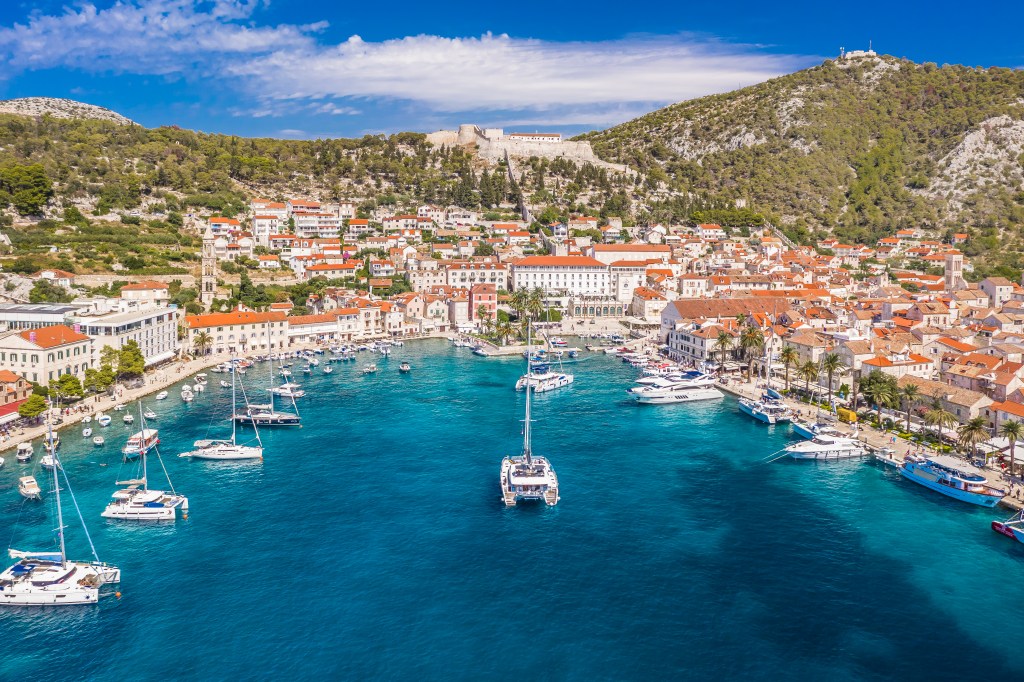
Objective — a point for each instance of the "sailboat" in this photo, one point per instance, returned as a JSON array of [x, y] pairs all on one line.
[[265, 414], [135, 503], [526, 477], [49, 578], [227, 449]]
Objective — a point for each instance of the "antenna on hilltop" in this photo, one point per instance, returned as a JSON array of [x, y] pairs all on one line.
[[869, 45], [842, 50]]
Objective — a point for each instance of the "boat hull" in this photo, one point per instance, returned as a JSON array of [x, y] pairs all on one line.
[[1009, 531], [81, 587], [683, 396], [956, 494]]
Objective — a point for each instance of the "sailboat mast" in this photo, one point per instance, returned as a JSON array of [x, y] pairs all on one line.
[[529, 389], [233, 427], [56, 484]]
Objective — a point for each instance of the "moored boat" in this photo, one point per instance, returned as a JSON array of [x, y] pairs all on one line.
[[29, 488], [49, 578], [162, 395], [767, 410], [140, 443], [952, 477], [1012, 527], [24, 452], [526, 476], [98, 440], [825, 446], [404, 367]]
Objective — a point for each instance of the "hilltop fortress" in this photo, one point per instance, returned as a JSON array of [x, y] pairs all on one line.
[[492, 144]]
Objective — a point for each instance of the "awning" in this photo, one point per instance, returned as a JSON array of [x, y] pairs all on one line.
[[160, 357], [8, 418]]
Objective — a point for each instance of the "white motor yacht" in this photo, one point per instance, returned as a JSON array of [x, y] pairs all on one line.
[[128, 419], [162, 395], [670, 391], [24, 452], [827, 446], [29, 488], [103, 419]]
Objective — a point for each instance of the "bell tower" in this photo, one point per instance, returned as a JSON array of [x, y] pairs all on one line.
[[208, 280]]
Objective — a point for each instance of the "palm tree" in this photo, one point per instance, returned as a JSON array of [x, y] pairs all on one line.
[[485, 317], [503, 330], [831, 364], [724, 343], [202, 342], [517, 301], [881, 390], [535, 302], [752, 338], [910, 395], [1013, 431], [808, 372], [972, 433], [788, 356], [939, 416]]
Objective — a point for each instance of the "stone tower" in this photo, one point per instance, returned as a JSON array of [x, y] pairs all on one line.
[[954, 272], [208, 281]]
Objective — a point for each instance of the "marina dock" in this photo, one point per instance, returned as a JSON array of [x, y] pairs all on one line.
[[879, 444]]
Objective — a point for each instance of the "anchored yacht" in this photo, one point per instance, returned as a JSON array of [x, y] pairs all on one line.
[[527, 477]]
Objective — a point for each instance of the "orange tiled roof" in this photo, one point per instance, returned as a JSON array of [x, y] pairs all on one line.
[[51, 337]]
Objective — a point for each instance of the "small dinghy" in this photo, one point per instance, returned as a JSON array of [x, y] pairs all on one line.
[[86, 432], [162, 395], [149, 414], [98, 440]]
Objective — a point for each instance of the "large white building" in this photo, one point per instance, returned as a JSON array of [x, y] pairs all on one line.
[[572, 275], [43, 355], [238, 332], [465, 274], [155, 329]]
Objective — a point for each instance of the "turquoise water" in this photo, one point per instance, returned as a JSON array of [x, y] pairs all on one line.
[[372, 543]]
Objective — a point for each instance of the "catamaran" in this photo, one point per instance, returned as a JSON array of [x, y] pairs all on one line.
[[135, 503], [526, 477], [768, 410], [227, 449], [48, 578], [265, 414]]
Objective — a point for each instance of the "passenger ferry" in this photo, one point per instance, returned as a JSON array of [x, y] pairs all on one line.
[[952, 477]]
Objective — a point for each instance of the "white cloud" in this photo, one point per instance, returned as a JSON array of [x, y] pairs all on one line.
[[499, 72], [285, 70], [144, 36]]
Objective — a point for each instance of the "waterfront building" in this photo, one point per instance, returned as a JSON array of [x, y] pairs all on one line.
[[238, 331], [35, 315], [572, 275], [154, 328], [43, 355]]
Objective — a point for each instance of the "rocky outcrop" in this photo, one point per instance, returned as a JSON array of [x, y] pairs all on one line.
[[60, 108]]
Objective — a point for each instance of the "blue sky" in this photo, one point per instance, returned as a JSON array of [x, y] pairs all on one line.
[[325, 68]]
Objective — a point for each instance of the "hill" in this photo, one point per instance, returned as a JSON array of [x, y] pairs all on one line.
[[857, 147], [60, 108]]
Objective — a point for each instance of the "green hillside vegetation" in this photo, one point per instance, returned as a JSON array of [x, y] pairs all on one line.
[[848, 149]]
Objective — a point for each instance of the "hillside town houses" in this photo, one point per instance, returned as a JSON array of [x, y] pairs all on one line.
[[902, 306]]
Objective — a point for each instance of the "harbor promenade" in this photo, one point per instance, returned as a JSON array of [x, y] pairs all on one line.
[[885, 446]]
